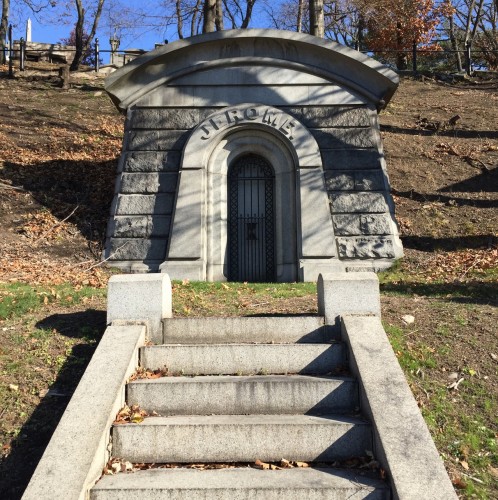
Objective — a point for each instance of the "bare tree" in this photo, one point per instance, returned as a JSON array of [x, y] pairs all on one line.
[[317, 23], [238, 13], [209, 12], [299, 21], [82, 42], [4, 23]]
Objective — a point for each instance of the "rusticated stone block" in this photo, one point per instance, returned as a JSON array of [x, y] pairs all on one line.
[[345, 138], [342, 159], [137, 249], [354, 225], [149, 183], [361, 180], [164, 118], [130, 227], [365, 248], [369, 180], [375, 224], [331, 116], [346, 224], [357, 202], [150, 161], [140, 226], [157, 140], [145, 204], [339, 181]]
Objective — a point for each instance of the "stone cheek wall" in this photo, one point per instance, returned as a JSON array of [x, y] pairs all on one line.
[[355, 180]]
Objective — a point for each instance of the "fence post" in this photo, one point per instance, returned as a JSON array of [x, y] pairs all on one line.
[[97, 51], [22, 53], [468, 60], [414, 50], [11, 54]]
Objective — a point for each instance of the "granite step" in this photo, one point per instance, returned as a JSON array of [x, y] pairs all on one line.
[[242, 438], [240, 330], [245, 359], [239, 395], [241, 484]]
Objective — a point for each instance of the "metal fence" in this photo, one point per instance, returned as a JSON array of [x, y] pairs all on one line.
[[421, 59], [20, 53]]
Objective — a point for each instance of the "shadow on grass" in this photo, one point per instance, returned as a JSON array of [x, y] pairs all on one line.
[[448, 244], [466, 293], [81, 188], [447, 198], [27, 449]]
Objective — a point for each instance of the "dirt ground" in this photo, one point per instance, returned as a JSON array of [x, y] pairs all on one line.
[[58, 153]]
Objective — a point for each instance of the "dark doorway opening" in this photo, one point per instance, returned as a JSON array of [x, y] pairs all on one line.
[[251, 220]]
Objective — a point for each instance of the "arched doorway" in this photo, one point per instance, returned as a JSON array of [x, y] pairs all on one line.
[[304, 243], [251, 220]]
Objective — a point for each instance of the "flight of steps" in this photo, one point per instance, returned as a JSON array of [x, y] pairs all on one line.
[[244, 389]]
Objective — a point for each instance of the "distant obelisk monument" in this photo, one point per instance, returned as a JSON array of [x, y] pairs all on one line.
[[28, 30]]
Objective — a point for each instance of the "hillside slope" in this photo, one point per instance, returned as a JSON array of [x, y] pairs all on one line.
[[58, 154]]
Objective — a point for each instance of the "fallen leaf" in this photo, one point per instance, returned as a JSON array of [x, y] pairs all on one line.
[[459, 483], [261, 465], [136, 418], [303, 465], [464, 464], [493, 471], [13, 387]]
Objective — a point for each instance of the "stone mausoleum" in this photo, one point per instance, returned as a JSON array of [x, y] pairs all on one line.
[[252, 155]]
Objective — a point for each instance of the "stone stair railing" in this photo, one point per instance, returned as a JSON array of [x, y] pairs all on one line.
[[247, 389]]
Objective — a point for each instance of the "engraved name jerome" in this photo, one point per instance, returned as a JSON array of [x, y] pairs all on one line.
[[255, 114]]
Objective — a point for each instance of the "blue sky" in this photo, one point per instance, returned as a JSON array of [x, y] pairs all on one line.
[[140, 35], [51, 31]]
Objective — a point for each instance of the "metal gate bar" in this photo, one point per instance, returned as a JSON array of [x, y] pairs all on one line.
[[251, 220]]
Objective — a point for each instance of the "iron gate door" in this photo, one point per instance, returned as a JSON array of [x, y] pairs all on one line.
[[251, 220]]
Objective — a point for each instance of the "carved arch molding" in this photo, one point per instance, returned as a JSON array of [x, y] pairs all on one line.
[[305, 243]]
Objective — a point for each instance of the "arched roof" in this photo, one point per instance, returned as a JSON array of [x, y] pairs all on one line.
[[254, 47]]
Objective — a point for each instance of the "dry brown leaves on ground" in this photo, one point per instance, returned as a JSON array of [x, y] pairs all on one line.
[[19, 264], [132, 415], [458, 266], [145, 373]]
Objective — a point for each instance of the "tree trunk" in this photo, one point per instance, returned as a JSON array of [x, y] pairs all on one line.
[[4, 24], [78, 35], [454, 44], [317, 24], [359, 35], [478, 18], [179, 20], [81, 45], [469, 22], [193, 22], [299, 22], [209, 16], [401, 57], [247, 17], [219, 15]]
